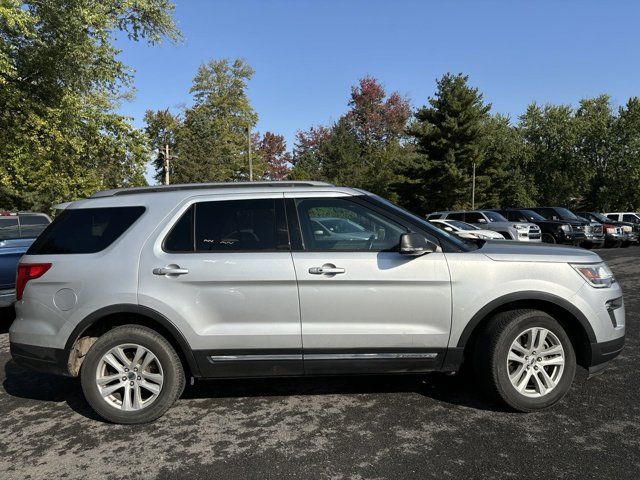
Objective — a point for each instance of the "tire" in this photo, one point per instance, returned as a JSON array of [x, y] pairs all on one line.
[[625, 244], [548, 238], [493, 366], [156, 386]]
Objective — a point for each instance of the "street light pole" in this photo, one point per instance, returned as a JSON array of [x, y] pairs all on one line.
[[473, 188], [249, 151]]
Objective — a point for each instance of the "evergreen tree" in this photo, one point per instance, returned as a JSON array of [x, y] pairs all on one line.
[[273, 150], [448, 136]]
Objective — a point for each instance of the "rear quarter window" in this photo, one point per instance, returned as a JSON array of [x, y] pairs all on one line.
[[84, 230]]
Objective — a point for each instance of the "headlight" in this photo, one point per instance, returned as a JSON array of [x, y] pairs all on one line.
[[565, 228], [519, 226], [598, 274]]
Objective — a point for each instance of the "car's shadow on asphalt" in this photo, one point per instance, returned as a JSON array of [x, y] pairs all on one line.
[[7, 314], [457, 390]]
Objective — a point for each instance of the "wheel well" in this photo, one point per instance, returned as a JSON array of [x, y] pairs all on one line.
[[576, 332], [85, 339]]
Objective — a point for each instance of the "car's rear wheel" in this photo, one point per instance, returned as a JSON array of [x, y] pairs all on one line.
[[131, 375], [526, 360]]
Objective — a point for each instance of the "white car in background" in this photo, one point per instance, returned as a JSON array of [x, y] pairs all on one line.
[[466, 230]]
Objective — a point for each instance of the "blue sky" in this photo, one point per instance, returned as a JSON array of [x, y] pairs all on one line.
[[307, 54]]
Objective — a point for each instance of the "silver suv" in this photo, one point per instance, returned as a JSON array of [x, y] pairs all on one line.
[[491, 220], [137, 290]]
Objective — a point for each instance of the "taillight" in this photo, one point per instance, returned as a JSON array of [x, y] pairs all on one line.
[[26, 272]]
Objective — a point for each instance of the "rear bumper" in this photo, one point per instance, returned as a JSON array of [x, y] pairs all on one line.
[[41, 359], [603, 352]]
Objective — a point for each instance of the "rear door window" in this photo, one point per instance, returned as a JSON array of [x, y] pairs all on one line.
[[84, 230], [32, 225], [9, 228], [230, 226]]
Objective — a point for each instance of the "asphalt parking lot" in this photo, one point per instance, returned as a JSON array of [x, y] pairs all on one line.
[[335, 428]]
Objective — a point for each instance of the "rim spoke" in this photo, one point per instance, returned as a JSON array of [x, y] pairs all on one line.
[[137, 398], [524, 381], [517, 374], [549, 382], [153, 377], [152, 387], [113, 362], [515, 358], [519, 347], [106, 391], [541, 387], [148, 358], [542, 336], [547, 362], [126, 399], [553, 350], [102, 381], [138, 356], [118, 352]]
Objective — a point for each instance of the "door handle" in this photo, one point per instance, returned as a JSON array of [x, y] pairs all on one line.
[[326, 269], [170, 270]]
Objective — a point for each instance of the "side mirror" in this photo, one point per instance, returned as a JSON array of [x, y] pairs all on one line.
[[415, 244]]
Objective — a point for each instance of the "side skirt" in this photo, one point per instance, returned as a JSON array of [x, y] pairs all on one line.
[[284, 362]]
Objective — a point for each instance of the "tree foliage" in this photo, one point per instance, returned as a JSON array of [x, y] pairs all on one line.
[[60, 82], [273, 152], [214, 137], [162, 130]]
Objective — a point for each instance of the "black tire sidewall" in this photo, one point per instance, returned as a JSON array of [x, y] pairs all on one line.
[[173, 381], [507, 391]]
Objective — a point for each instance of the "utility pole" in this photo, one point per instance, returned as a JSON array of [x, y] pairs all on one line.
[[473, 188], [166, 164], [249, 151]]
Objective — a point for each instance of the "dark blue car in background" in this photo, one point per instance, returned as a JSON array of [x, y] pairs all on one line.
[[17, 232]]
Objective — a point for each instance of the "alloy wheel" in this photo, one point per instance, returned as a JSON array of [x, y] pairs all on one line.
[[535, 362], [129, 377]]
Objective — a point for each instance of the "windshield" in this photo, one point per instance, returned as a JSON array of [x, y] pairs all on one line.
[[462, 244], [566, 214], [532, 216], [462, 225], [494, 217], [598, 216]]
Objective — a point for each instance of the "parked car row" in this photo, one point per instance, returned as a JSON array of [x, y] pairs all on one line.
[[17, 233], [543, 224]]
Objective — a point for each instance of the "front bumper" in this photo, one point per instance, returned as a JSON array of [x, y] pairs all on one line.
[[595, 240], [602, 353], [41, 359]]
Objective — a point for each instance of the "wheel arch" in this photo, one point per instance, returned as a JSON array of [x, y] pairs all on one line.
[[106, 318], [568, 315]]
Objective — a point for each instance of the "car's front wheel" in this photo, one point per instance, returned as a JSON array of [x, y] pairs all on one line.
[[526, 360], [131, 375]]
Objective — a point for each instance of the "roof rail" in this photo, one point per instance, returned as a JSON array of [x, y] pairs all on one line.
[[202, 186]]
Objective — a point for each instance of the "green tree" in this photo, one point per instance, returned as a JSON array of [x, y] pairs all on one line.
[[162, 129], [273, 152], [504, 168], [551, 137], [213, 142], [448, 136], [60, 82]]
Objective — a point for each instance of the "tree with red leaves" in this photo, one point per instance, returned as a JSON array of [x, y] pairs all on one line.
[[364, 148], [273, 150]]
